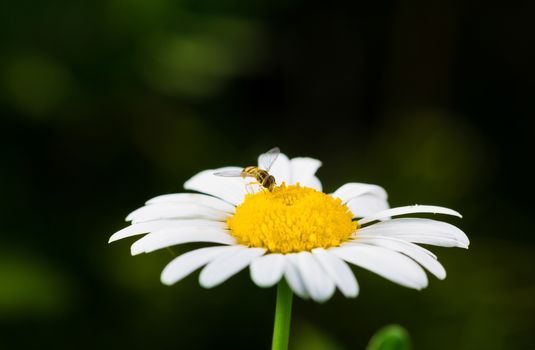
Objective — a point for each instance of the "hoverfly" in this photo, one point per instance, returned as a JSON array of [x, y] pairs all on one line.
[[260, 173]]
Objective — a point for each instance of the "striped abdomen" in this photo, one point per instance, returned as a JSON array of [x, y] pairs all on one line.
[[262, 176]]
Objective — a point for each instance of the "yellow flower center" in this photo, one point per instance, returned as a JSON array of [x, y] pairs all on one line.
[[291, 219]]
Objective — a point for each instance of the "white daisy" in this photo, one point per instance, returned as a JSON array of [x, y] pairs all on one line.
[[295, 232]]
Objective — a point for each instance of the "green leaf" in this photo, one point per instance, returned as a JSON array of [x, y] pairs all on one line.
[[393, 337]]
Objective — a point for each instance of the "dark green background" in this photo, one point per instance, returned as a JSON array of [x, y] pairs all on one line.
[[107, 104]]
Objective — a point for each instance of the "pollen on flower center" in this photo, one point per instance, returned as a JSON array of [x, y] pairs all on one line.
[[291, 219]]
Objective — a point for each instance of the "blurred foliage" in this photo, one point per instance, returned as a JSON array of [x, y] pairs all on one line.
[[305, 336], [36, 84], [393, 337], [31, 288], [199, 63], [106, 104]]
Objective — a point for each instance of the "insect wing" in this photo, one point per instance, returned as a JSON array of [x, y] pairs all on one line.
[[229, 173], [266, 160]]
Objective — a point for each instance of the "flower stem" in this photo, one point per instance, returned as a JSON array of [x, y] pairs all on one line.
[[283, 315]]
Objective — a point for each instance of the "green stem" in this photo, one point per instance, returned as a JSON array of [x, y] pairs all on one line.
[[283, 315]]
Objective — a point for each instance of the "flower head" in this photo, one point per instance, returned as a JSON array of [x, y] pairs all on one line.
[[292, 231], [291, 219]]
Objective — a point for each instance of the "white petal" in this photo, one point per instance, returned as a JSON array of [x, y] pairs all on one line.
[[281, 169], [224, 267], [420, 255], [145, 227], [366, 205], [293, 276], [354, 189], [175, 211], [389, 264], [339, 272], [433, 240], [318, 284], [188, 262], [267, 270], [410, 209], [174, 236], [195, 198], [303, 169], [314, 183], [230, 189], [416, 230]]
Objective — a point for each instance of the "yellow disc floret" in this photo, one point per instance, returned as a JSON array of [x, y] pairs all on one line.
[[291, 219]]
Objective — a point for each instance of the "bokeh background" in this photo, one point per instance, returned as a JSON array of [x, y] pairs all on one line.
[[105, 104]]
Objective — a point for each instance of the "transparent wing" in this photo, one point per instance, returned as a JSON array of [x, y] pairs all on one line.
[[229, 173], [266, 160]]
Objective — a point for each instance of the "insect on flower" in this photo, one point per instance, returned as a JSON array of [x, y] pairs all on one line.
[[259, 173], [293, 234], [294, 231]]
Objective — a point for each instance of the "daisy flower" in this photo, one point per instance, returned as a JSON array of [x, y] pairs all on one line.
[[291, 233]]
